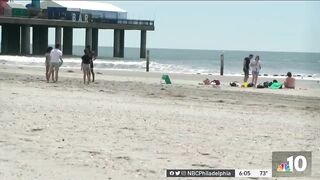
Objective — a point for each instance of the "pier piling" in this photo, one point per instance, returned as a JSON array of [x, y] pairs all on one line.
[[143, 44], [221, 64], [67, 40], [39, 40], [95, 37], [10, 43], [147, 61], [25, 40]]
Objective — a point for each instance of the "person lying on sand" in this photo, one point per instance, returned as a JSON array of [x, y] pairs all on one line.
[[213, 82]]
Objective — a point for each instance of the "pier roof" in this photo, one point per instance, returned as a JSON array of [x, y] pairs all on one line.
[[16, 5], [78, 5], [68, 23]]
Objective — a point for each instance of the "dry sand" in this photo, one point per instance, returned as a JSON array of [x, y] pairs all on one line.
[[129, 126]]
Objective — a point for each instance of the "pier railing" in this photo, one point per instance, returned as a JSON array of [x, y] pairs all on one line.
[[135, 22], [123, 21]]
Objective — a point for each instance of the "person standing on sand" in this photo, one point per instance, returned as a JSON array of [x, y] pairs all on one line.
[[255, 67], [85, 66], [246, 63], [92, 58], [55, 61], [47, 63]]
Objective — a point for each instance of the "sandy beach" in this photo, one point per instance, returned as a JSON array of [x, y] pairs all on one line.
[[127, 125]]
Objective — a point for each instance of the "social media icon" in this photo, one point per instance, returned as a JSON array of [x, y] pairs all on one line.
[[183, 173], [171, 173], [177, 173]]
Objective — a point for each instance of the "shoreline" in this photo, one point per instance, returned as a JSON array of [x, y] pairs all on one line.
[[124, 65]]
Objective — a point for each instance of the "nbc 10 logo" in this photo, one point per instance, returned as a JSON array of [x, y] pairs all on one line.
[[291, 164]]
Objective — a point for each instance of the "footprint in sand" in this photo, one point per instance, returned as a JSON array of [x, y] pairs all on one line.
[[36, 129], [123, 157], [93, 153], [126, 128], [204, 154]]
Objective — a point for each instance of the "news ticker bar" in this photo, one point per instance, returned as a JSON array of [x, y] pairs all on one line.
[[254, 173], [284, 164]]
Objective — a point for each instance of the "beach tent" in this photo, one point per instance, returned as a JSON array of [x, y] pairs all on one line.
[[94, 9]]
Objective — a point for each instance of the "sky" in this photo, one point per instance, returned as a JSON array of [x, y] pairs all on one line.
[[291, 26]]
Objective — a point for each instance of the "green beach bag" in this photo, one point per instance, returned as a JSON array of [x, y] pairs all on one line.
[[166, 78], [276, 85]]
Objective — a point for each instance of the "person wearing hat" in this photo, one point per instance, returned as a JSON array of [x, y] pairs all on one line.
[[290, 81]]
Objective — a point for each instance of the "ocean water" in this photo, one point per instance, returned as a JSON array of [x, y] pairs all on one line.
[[304, 65]]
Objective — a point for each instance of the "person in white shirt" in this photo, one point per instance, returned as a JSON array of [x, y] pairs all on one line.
[[255, 67], [55, 61]]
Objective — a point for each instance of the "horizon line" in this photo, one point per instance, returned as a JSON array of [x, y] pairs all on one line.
[[217, 49]]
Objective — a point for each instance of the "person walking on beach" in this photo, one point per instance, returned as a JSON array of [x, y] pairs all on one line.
[[55, 61], [92, 56], [246, 63], [47, 63], [255, 67], [85, 66]]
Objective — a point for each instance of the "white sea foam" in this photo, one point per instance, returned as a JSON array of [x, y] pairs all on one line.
[[74, 62]]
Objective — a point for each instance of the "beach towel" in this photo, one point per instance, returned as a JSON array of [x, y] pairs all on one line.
[[276, 85]]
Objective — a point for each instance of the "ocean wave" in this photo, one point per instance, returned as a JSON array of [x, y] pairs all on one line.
[[134, 65], [106, 64]]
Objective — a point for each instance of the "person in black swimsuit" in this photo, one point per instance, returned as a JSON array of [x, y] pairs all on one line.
[[85, 66], [92, 56], [246, 63]]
